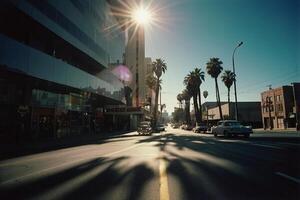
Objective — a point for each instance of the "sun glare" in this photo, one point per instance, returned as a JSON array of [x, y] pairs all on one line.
[[141, 16], [133, 15]]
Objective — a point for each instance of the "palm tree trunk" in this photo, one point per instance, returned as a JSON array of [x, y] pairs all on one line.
[[229, 103], [200, 104], [218, 99], [187, 110], [197, 114], [155, 105]]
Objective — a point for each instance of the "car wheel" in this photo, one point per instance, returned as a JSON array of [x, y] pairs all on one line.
[[216, 134], [247, 135]]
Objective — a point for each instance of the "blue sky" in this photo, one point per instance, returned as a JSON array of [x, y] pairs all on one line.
[[196, 30]]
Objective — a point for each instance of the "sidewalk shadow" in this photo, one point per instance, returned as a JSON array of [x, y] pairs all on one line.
[[22, 149]]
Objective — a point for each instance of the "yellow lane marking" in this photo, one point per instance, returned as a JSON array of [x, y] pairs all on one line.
[[164, 190]]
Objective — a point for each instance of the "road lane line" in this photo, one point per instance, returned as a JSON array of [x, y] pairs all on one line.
[[288, 177], [263, 145], [286, 143], [164, 190], [64, 164]]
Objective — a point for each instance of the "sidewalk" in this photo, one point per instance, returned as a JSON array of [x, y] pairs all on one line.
[[39, 146], [290, 132]]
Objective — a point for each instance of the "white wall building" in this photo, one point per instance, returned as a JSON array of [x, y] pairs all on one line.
[[135, 61]]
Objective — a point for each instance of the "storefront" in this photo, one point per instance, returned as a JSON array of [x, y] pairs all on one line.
[[33, 109]]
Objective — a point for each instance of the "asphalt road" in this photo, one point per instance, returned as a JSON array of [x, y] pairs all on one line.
[[175, 164]]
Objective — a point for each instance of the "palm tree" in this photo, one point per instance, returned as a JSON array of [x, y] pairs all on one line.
[[214, 68], [190, 81], [199, 78], [228, 78], [180, 99], [186, 97], [159, 67], [205, 94], [151, 82]]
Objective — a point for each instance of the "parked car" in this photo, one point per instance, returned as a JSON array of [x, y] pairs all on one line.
[[182, 126], [144, 128], [175, 125], [231, 128], [186, 127], [160, 127], [201, 127]]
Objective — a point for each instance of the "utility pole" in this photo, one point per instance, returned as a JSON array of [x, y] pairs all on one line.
[[296, 109]]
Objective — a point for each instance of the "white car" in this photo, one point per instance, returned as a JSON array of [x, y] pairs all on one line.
[[160, 127], [231, 128], [144, 128]]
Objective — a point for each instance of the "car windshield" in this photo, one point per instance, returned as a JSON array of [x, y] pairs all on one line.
[[143, 124], [232, 124], [219, 123]]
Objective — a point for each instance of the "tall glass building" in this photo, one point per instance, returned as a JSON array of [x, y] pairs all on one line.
[[55, 74]]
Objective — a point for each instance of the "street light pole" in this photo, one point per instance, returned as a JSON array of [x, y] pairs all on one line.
[[234, 82]]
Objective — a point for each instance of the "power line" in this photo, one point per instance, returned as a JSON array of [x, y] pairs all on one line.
[[275, 77]]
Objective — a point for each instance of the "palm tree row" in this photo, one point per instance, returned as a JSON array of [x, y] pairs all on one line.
[[154, 82], [193, 83]]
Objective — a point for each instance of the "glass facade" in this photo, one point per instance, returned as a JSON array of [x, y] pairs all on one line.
[[21, 58], [86, 24], [56, 61]]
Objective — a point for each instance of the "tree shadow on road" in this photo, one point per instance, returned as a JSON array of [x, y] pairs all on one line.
[[94, 179], [223, 168]]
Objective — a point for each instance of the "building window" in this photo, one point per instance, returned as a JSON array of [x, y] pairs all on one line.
[[271, 99], [279, 107], [278, 98]]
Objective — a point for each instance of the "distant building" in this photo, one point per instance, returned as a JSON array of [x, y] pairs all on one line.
[[279, 104], [249, 112]]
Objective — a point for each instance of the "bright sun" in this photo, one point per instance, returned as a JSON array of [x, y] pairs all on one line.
[[141, 16]]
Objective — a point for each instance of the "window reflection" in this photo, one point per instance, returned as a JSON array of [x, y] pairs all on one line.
[[40, 65]]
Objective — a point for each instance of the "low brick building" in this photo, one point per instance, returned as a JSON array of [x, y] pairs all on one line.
[[279, 105]]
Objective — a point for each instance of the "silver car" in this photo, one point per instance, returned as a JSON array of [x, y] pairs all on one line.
[[230, 128]]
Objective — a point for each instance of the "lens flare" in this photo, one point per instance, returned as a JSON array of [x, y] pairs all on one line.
[[142, 16]]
